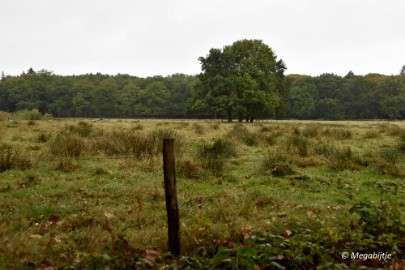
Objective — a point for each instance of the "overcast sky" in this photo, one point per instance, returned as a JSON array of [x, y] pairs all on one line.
[[163, 37]]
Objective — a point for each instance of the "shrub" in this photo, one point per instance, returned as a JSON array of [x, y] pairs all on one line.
[[378, 220], [145, 146], [117, 142], [7, 156], [33, 114], [242, 134], [68, 145], [11, 157]]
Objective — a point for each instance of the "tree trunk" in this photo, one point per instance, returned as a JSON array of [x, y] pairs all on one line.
[[240, 117], [229, 112]]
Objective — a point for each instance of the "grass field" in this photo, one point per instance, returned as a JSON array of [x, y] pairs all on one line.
[[87, 194]]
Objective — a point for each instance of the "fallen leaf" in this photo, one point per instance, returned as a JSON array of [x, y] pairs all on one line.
[[246, 231], [334, 208], [310, 214], [108, 214], [23, 184], [107, 226], [140, 203], [53, 219], [282, 214], [150, 257], [287, 233]]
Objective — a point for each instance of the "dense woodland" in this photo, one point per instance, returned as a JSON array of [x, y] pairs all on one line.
[[243, 81], [327, 96]]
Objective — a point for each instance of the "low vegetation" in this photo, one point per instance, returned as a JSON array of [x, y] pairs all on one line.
[[88, 194]]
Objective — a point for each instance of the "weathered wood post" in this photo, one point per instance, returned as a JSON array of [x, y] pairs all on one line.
[[172, 208]]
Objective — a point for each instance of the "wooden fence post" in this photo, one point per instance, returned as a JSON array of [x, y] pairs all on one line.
[[172, 208]]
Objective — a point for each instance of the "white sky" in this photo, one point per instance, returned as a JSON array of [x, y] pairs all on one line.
[[163, 37]]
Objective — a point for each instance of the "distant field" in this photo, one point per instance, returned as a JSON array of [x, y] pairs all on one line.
[[81, 193]]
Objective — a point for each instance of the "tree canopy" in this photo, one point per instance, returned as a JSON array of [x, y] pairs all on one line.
[[239, 80]]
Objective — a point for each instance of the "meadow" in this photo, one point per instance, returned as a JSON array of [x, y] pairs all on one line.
[[89, 194]]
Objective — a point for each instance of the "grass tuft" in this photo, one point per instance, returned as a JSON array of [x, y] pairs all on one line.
[[298, 144], [312, 131], [66, 165], [13, 158], [5, 116], [401, 144], [198, 129], [68, 145], [242, 134], [214, 155], [341, 158], [83, 129], [188, 169], [7, 157], [338, 133], [277, 164], [43, 137]]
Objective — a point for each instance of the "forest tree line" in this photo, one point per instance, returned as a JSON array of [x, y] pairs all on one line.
[[326, 96]]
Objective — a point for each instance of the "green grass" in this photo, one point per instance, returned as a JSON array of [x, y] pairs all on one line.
[[92, 193]]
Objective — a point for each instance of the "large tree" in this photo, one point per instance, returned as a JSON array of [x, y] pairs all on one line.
[[390, 94], [153, 100], [303, 98], [240, 80]]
